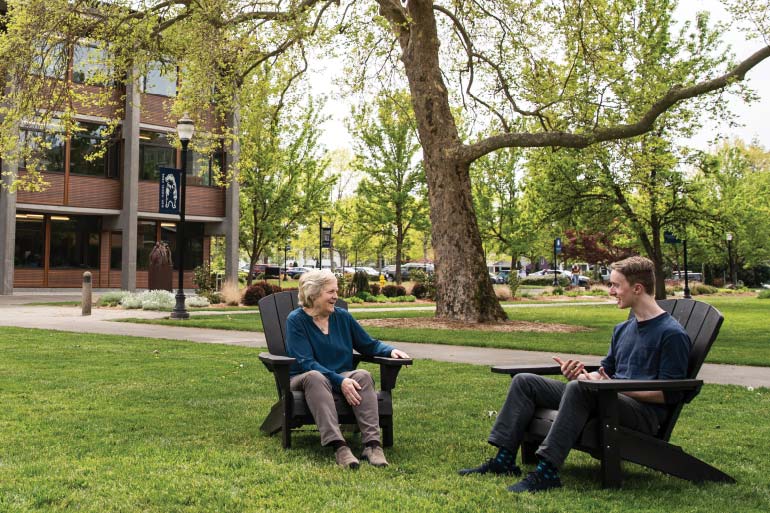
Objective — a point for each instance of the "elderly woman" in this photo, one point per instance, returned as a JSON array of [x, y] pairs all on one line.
[[322, 338]]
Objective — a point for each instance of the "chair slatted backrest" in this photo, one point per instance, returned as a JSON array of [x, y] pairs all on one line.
[[701, 321], [274, 309]]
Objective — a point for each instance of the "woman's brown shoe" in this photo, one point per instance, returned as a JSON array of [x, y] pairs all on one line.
[[345, 458], [375, 456]]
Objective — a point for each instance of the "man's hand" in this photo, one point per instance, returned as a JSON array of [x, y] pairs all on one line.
[[397, 353], [350, 388], [572, 369], [595, 376]]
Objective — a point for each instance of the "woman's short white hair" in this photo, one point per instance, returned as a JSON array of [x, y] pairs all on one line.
[[312, 283]]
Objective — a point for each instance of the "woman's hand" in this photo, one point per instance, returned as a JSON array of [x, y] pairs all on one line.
[[397, 353], [350, 388]]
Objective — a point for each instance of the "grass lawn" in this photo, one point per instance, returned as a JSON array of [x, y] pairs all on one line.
[[743, 340], [96, 423]]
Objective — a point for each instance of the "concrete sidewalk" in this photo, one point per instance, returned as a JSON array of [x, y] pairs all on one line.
[[14, 312]]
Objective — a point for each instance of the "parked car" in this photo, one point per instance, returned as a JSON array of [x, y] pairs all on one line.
[[390, 271], [296, 272], [266, 270], [371, 272], [502, 277], [583, 281]]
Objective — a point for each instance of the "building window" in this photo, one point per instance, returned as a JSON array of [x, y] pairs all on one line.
[[43, 150], [146, 236], [30, 241], [74, 242], [154, 152], [116, 251], [89, 65], [87, 155], [160, 79], [203, 169], [49, 60]]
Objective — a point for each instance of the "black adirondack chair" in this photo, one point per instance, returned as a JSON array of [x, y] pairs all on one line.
[[606, 440], [291, 410]]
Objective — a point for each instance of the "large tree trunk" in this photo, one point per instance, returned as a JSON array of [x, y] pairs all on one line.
[[463, 288]]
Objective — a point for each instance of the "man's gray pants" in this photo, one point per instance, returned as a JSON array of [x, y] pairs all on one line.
[[576, 404]]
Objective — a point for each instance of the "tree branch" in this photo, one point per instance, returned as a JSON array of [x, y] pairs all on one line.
[[676, 94]]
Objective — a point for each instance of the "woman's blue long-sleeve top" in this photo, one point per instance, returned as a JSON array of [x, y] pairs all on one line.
[[328, 354]]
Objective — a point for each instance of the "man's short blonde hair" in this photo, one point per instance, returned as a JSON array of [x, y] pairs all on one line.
[[637, 269], [312, 283]]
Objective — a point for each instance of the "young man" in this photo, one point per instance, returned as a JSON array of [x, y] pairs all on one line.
[[652, 345]]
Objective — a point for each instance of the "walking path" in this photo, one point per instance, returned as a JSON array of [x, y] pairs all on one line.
[[15, 312]]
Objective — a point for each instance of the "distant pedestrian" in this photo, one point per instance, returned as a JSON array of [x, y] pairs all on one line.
[[575, 275]]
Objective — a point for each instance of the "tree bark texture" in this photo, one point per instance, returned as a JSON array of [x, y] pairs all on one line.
[[463, 288]]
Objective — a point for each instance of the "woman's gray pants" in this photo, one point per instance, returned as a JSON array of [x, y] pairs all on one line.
[[320, 402]]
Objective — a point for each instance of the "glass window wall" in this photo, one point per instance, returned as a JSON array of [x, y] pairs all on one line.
[[74, 242], [30, 241], [43, 151], [154, 152]]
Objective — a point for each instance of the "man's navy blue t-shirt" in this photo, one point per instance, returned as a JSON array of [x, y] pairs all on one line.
[[657, 348]]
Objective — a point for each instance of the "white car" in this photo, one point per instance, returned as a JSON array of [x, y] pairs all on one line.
[[370, 271]]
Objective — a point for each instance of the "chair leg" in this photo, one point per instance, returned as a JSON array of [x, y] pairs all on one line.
[[608, 437], [387, 434], [286, 433], [528, 456]]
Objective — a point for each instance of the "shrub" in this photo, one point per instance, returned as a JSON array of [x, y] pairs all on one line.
[[513, 283], [131, 301], [231, 294], [253, 294], [359, 283], [204, 279], [354, 299], [112, 298], [365, 296], [502, 292], [427, 280], [393, 291], [215, 298], [404, 299], [700, 289], [544, 280], [419, 291], [196, 302], [764, 294], [374, 288], [157, 300], [381, 298]]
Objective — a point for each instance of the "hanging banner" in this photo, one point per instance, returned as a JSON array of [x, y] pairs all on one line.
[[326, 237], [170, 180]]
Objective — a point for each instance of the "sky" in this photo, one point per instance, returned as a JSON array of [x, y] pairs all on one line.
[[753, 117]]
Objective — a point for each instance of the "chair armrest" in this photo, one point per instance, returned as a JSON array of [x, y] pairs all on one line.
[[389, 368], [279, 366], [274, 361], [630, 385], [540, 370], [384, 360]]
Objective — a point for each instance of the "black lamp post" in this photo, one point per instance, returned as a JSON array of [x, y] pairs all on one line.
[[286, 249], [686, 277], [555, 277], [729, 237], [320, 238], [184, 130]]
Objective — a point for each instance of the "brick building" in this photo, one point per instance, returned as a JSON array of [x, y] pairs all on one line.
[[102, 215]]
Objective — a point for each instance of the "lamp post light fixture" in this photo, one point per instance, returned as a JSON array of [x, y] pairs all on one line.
[[184, 130]]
